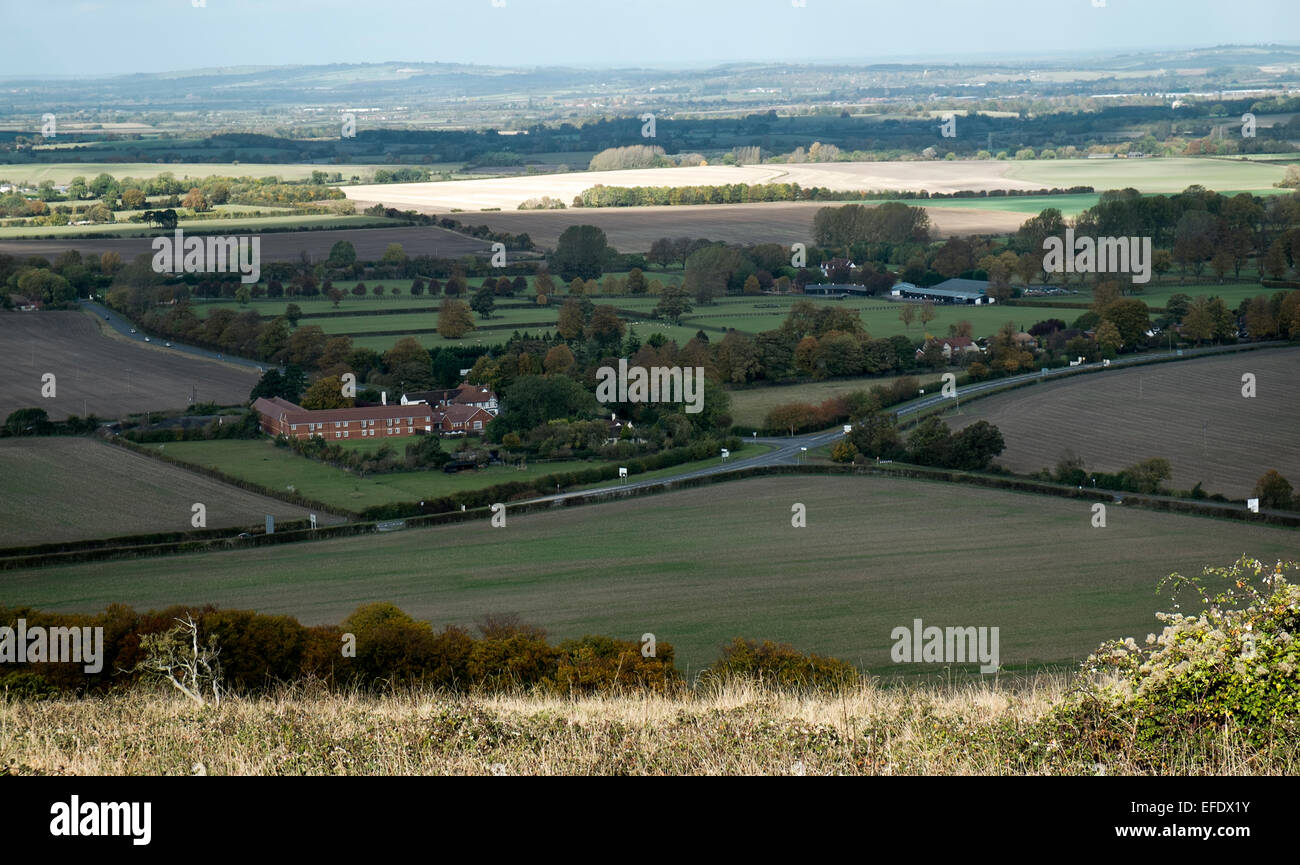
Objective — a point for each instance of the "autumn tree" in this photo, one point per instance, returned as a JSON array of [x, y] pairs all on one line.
[[907, 315], [927, 313], [325, 393], [571, 320], [454, 318]]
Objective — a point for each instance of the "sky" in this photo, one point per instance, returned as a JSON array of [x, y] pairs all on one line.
[[46, 38]]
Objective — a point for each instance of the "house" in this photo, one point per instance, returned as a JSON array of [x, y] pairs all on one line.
[[952, 345], [281, 417], [468, 394], [842, 265], [457, 420]]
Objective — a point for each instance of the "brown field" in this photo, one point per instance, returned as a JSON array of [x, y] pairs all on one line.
[[59, 489], [370, 244], [633, 229], [1191, 413], [508, 192], [91, 370]]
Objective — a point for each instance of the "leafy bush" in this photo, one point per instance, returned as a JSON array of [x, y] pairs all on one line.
[[781, 665], [1233, 667]]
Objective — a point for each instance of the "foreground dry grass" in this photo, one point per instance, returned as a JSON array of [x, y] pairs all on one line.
[[974, 729]]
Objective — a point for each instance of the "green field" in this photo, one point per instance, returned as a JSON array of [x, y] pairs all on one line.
[[1156, 295], [260, 461], [701, 566]]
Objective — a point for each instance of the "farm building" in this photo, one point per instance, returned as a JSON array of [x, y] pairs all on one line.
[[832, 290], [281, 417], [969, 291]]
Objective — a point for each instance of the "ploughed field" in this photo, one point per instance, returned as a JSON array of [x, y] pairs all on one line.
[[67, 489], [101, 375], [370, 243], [1192, 413], [701, 566]]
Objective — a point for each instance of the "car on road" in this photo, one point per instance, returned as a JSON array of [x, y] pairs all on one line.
[[169, 345], [132, 330], [146, 339]]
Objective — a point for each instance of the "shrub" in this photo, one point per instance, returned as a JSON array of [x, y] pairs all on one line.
[[780, 665], [1230, 668], [603, 664]]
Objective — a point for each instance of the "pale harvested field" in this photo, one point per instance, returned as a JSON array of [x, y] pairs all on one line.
[[370, 244], [90, 370], [633, 229], [61, 489], [1114, 419], [508, 192]]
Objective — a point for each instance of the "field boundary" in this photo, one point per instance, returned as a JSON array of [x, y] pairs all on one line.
[[1012, 484]]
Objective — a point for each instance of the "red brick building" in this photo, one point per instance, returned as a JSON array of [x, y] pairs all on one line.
[[281, 417]]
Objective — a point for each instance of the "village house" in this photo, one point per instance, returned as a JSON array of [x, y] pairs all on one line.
[[464, 394], [952, 346]]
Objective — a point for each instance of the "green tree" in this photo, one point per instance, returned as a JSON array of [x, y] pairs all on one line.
[[674, 302], [342, 254], [394, 254], [581, 251], [483, 301], [1274, 491], [28, 421], [636, 282]]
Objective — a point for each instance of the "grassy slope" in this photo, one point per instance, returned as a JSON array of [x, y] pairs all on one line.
[[701, 566], [978, 729]]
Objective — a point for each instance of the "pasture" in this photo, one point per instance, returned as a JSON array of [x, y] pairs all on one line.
[[65, 489], [1191, 413], [260, 461], [101, 375], [877, 553]]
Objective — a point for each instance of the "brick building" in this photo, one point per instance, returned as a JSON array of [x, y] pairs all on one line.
[[281, 417]]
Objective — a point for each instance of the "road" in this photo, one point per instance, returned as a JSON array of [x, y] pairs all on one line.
[[124, 327], [787, 450]]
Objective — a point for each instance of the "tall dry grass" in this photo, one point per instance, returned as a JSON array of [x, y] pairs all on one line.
[[733, 728]]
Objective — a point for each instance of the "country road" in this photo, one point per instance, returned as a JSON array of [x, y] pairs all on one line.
[[787, 450]]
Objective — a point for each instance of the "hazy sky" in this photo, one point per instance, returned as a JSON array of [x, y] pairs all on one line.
[[80, 37]]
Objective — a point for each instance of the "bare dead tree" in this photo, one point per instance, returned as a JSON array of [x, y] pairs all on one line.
[[176, 655]]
